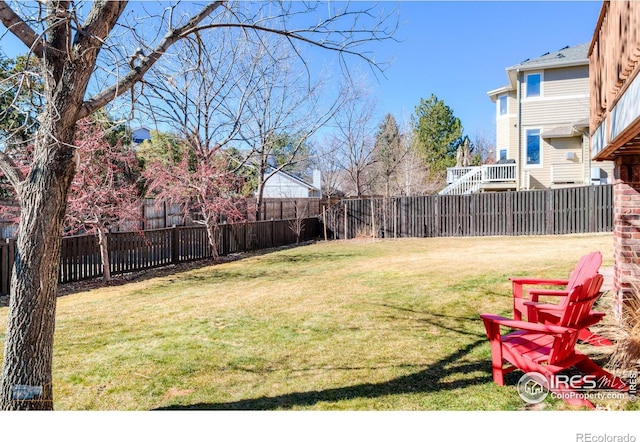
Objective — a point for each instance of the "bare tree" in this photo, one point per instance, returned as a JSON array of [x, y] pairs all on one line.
[[413, 178], [484, 146], [329, 163], [301, 213], [89, 55], [354, 139], [284, 108], [201, 89]]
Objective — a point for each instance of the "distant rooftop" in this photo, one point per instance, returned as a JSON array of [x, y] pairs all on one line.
[[567, 55]]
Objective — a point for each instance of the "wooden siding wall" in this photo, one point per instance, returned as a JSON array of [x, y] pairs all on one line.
[[540, 212], [614, 57], [136, 251]]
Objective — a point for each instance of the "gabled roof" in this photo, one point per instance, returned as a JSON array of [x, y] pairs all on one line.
[[292, 178], [565, 57]]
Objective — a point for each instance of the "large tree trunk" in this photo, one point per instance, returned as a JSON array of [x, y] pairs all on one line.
[[68, 52], [26, 372]]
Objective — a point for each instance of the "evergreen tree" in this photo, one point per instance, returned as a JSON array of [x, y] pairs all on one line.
[[438, 132], [388, 150]]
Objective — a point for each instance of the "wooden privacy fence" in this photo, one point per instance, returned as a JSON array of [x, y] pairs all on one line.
[[535, 212], [158, 215], [135, 251]]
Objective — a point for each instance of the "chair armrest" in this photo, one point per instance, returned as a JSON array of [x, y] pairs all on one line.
[[548, 292], [534, 308], [534, 294], [518, 283], [541, 306], [538, 281], [524, 325]]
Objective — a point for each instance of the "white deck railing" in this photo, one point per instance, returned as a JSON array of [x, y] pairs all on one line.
[[464, 180]]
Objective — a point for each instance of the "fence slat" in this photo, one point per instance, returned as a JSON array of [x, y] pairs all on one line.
[[535, 212], [134, 251]]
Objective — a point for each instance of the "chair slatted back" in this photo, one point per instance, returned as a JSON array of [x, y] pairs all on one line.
[[577, 307], [587, 266]]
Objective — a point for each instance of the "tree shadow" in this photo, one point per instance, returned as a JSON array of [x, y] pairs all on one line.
[[431, 379], [120, 279], [447, 374]]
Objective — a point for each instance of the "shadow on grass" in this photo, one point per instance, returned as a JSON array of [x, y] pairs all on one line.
[[71, 288], [439, 320], [431, 379]]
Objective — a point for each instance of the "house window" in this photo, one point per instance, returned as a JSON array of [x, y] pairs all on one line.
[[502, 154], [534, 85], [502, 105], [533, 147]]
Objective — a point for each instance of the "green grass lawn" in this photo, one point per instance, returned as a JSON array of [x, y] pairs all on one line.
[[357, 325]]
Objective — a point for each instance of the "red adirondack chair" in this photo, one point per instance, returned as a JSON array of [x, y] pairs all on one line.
[[547, 349], [586, 268]]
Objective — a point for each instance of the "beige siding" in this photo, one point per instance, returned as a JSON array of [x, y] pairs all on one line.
[[567, 81], [512, 103], [554, 112], [504, 127], [513, 139], [554, 152], [586, 154], [565, 169]]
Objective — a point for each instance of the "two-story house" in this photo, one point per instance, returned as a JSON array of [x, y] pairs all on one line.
[[542, 122]]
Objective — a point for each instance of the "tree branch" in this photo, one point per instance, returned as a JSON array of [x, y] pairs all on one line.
[[20, 29], [99, 22], [12, 172], [102, 98]]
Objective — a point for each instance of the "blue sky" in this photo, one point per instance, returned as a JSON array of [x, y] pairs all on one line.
[[459, 50]]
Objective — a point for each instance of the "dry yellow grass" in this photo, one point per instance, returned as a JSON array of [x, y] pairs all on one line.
[[339, 325]]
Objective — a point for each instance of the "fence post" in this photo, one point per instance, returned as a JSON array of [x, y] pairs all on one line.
[[273, 233], [373, 219], [591, 211], [346, 235], [175, 246], [324, 221], [509, 204], [166, 214], [395, 217], [550, 212], [438, 213]]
